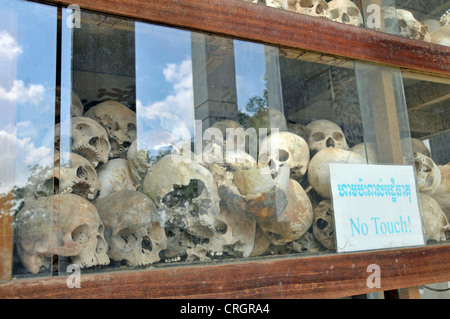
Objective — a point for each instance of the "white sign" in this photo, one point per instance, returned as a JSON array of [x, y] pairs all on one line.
[[375, 207]]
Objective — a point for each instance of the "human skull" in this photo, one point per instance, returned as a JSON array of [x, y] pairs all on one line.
[[33, 231], [435, 222], [319, 173], [285, 148], [315, 8], [428, 174], [237, 235], [132, 227], [119, 123], [295, 220], [411, 27], [323, 134], [186, 192], [323, 224], [89, 139], [115, 176], [75, 174], [345, 11], [80, 231], [48, 226]]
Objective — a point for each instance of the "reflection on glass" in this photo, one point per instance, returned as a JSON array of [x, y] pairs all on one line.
[[428, 104], [175, 146], [419, 20], [210, 161], [27, 99]]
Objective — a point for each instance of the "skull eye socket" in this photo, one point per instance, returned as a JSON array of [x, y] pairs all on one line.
[[131, 129], [81, 234], [338, 136], [402, 24], [306, 4], [283, 156], [353, 12], [82, 173], [318, 136]]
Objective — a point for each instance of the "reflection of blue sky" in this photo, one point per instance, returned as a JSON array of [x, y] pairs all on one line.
[[164, 83], [250, 71], [27, 81]]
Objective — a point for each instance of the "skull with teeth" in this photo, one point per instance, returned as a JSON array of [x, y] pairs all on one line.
[[76, 175], [132, 228], [48, 226], [345, 11], [119, 123], [89, 140], [323, 134]]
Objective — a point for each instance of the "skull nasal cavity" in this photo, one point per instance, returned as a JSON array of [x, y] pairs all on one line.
[[330, 142]]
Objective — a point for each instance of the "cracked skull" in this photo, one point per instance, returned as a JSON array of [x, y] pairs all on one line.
[[48, 226], [119, 123], [295, 220], [132, 228], [187, 194]]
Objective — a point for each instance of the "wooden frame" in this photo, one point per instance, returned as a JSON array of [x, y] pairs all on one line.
[[316, 276]]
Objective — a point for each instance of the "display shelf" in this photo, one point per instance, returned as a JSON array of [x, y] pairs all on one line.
[[328, 276]]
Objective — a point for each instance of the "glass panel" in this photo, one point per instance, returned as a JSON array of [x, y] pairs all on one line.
[[428, 100], [27, 99], [420, 20], [175, 129], [189, 147]]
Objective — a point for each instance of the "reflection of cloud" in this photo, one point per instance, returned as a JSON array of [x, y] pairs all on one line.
[[9, 48], [33, 94], [17, 156], [177, 106]]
